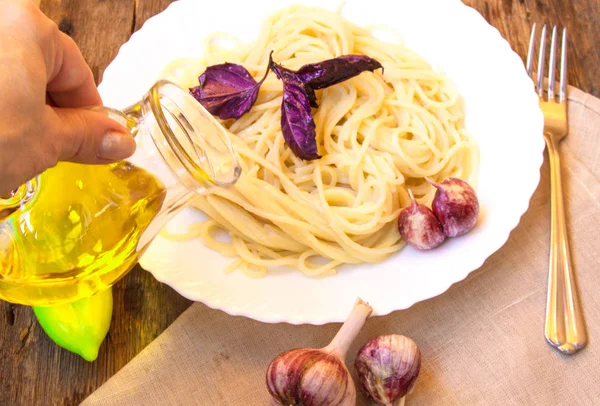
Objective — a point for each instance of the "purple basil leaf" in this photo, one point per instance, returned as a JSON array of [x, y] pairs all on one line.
[[312, 97], [297, 124], [227, 90], [336, 70]]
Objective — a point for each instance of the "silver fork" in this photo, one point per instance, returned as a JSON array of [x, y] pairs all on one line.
[[565, 326]]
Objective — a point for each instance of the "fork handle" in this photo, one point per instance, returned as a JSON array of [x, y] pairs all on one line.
[[565, 326]]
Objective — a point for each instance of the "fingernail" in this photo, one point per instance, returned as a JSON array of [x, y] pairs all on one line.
[[116, 146]]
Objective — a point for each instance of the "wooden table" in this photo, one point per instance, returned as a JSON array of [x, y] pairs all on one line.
[[34, 371]]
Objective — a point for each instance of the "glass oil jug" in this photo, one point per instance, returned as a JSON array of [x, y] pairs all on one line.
[[76, 229]]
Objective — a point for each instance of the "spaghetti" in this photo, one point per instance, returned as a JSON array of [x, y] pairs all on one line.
[[379, 134]]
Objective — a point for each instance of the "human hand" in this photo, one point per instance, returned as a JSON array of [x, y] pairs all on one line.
[[44, 81]]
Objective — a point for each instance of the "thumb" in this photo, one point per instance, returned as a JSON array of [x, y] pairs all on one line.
[[87, 137]]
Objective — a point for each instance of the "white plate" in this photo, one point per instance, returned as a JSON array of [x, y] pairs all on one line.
[[502, 114]]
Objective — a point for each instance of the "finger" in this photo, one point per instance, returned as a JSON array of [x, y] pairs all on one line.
[[83, 136], [71, 83]]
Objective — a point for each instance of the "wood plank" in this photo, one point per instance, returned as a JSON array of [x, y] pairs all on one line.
[[99, 27], [148, 8], [36, 372]]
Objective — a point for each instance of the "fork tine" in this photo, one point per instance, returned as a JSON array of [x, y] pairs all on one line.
[[531, 49], [542, 58], [563, 68], [552, 65]]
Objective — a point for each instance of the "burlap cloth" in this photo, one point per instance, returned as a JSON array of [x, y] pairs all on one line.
[[482, 341]]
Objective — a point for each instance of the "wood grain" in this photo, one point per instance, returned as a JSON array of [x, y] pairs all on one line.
[[514, 18], [98, 27], [33, 371]]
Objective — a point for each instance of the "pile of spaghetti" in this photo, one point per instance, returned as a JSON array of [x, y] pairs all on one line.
[[378, 135]]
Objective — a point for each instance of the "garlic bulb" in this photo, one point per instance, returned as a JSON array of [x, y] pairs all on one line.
[[318, 377], [387, 367]]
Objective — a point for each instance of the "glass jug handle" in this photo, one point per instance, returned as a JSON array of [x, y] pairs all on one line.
[[20, 196], [26, 191], [128, 118]]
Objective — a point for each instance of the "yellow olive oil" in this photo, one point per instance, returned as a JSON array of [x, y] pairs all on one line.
[[79, 234]]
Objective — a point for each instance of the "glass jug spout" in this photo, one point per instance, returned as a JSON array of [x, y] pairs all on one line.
[[191, 141]]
